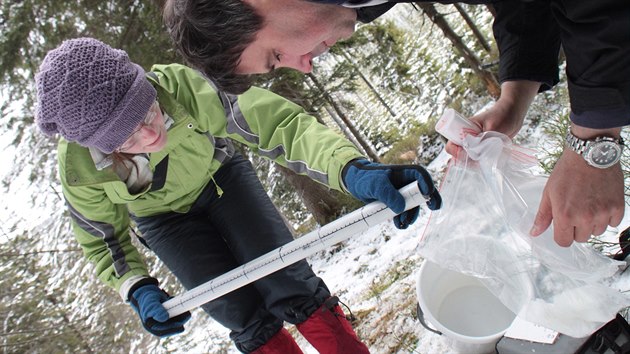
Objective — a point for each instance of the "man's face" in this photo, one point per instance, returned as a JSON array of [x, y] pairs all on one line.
[[294, 32]]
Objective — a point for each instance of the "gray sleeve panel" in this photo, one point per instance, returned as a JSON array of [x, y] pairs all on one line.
[[223, 148], [106, 232], [236, 123], [299, 167], [302, 168]]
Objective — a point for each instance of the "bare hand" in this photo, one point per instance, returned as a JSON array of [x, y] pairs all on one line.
[[507, 114], [580, 199]]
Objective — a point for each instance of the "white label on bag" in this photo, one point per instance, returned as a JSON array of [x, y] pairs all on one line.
[[454, 127]]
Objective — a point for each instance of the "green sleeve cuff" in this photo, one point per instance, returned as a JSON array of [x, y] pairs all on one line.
[[339, 161]]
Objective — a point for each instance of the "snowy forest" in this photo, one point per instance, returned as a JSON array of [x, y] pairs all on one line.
[[383, 89]]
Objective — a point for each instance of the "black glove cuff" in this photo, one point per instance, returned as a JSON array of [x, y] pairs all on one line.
[[350, 163], [142, 282]]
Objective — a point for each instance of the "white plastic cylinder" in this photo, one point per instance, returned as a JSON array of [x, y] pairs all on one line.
[[343, 228]]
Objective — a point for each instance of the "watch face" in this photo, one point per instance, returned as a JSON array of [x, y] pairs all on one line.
[[603, 154]]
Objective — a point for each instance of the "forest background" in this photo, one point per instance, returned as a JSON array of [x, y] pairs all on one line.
[[383, 89]]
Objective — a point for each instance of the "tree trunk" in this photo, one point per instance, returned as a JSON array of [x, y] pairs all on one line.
[[368, 83], [344, 128], [473, 62], [318, 199], [473, 27], [357, 135]]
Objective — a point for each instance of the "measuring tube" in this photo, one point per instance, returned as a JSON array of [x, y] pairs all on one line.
[[319, 239]]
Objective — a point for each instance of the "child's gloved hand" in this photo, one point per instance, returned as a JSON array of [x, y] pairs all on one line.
[[369, 181], [147, 301]]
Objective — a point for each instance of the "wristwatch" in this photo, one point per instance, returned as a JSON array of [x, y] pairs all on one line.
[[601, 152]]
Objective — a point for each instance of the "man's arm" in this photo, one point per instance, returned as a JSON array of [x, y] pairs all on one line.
[[507, 114]]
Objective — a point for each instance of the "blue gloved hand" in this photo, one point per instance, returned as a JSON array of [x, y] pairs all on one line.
[[146, 298], [369, 181]]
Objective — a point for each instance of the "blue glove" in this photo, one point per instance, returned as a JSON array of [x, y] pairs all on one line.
[[146, 298], [369, 181]]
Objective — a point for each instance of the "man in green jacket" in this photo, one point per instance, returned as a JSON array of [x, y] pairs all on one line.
[[156, 149]]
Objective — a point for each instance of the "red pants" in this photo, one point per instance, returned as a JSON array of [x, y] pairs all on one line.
[[327, 329]]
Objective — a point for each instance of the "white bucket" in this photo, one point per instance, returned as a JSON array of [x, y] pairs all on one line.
[[462, 309]]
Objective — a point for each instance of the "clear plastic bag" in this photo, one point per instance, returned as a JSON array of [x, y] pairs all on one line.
[[490, 198]]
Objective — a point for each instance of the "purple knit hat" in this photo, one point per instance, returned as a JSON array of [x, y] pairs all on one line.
[[91, 94]]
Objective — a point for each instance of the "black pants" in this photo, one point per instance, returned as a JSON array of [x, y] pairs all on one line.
[[218, 235]]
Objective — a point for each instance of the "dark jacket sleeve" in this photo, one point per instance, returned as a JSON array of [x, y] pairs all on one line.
[[371, 13], [595, 37], [596, 40], [529, 42]]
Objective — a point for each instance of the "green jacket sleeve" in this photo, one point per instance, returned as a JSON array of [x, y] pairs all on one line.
[[271, 125], [100, 226]]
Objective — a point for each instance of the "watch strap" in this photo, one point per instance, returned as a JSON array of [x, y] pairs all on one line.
[[576, 144], [579, 145]]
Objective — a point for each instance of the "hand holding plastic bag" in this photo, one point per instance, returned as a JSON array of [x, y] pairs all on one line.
[[490, 197]]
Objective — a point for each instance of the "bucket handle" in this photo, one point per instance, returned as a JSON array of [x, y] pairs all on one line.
[[423, 322]]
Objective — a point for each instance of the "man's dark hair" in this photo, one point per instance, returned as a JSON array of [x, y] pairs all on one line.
[[211, 35]]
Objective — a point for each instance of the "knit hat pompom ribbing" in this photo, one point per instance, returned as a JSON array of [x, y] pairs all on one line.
[[91, 94]]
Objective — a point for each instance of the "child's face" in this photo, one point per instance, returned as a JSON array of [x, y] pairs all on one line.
[[150, 136]]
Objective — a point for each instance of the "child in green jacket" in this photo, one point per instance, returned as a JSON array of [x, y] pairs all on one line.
[[156, 148]]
